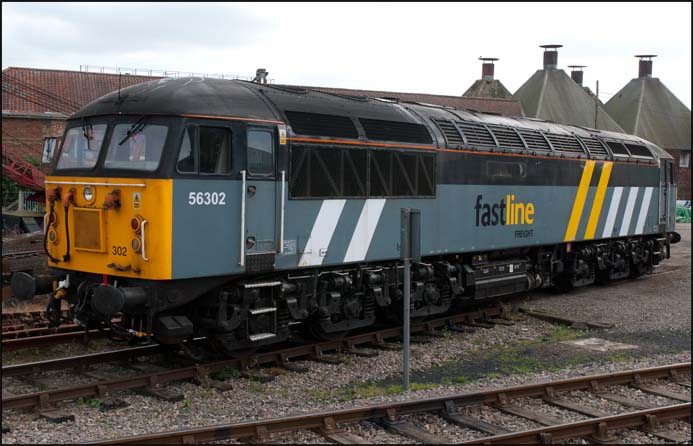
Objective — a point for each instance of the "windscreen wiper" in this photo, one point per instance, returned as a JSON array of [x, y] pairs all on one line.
[[86, 134], [134, 129]]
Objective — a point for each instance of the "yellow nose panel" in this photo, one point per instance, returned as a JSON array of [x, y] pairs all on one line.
[[101, 233]]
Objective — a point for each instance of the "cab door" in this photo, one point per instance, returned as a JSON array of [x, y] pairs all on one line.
[[259, 185]]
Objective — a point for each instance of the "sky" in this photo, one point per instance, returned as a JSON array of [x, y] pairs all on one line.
[[407, 47]]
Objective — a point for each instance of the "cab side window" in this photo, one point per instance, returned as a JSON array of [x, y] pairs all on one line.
[[260, 152], [205, 150], [186, 156]]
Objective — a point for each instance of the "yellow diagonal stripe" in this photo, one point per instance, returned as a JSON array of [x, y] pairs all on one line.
[[579, 202], [598, 201]]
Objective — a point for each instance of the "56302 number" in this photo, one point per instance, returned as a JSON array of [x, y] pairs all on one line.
[[207, 198]]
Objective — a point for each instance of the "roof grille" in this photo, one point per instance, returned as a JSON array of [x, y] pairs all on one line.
[[395, 131], [321, 125], [476, 134], [594, 146], [639, 150], [452, 136], [617, 148], [535, 140], [507, 137], [565, 143]]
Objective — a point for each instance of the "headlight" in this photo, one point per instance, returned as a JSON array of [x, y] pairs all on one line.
[[88, 194], [136, 245]]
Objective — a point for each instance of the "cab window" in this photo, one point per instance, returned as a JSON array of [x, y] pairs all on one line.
[[136, 146], [260, 152], [81, 147]]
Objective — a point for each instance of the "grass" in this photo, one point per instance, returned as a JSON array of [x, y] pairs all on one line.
[[225, 373], [257, 387]]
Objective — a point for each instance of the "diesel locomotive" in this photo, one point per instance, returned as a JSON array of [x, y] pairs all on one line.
[[243, 212]]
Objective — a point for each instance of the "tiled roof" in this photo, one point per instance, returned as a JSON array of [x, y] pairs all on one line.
[[39, 90], [554, 96], [647, 108], [493, 105], [483, 88]]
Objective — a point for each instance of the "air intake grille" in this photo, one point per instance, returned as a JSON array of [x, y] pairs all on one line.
[[328, 172], [507, 137], [321, 125], [452, 136], [594, 146], [476, 134], [325, 172], [565, 143], [535, 140], [638, 150], [395, 131]]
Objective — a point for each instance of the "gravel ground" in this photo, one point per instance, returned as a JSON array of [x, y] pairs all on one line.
[[438, 426], [365, 380], [665, 297]]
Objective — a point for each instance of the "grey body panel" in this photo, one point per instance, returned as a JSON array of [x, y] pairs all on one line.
[[206, 239]]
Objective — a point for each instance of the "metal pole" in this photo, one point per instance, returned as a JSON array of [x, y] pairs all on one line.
[[405, 255], [407, 296], [596, 105]]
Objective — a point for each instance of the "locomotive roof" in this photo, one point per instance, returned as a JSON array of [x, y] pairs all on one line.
[[242, 99]]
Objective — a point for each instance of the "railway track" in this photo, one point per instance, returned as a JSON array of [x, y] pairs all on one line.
[[24, 330], [280, 355], [596, 427]]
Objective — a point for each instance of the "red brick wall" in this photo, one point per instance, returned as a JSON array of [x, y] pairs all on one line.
[[683, 176], [25, 135]]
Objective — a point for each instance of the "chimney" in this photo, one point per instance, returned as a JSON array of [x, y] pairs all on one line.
[[645, 66], [261, 76], [487, 68], [550, 56], [576, 73]]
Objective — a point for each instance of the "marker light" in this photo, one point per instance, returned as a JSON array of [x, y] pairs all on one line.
[[136, 223], [136, 245]]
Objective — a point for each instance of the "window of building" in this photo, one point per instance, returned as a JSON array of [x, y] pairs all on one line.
[[260, 152], [684, 160], [49, 145]]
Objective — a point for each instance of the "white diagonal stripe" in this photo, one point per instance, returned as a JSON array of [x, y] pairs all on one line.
[[630, 205], [644, 207], [322, 232], [613, 210], [365, 228]]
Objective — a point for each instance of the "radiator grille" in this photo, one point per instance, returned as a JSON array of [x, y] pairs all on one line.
[[507, 137], [87, 229], [452, 136], [565, 143], [535, 140], [617, 148], [395, 131], [638, 150], [317, 124], [476, 134], [594, 146]]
